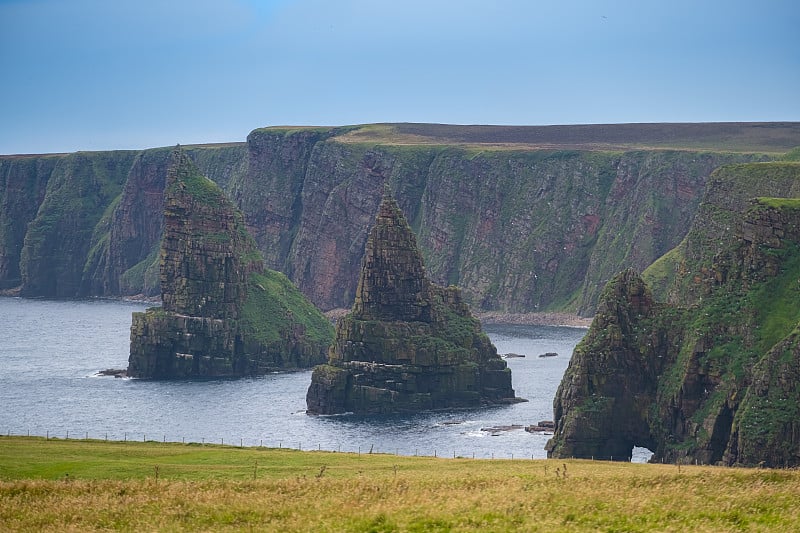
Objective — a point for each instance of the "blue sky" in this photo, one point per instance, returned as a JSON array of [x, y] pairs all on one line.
[[100, 75]]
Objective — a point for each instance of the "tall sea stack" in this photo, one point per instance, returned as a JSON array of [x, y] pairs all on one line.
[[407, 345], [223, 313]]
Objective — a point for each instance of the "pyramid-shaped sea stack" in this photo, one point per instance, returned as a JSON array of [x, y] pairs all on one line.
[[408, 345], [223, 313]]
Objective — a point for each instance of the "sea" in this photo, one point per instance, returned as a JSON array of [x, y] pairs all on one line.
[[51, 353]]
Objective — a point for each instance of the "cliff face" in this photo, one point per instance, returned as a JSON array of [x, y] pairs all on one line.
[[89, 223], [269, 193], [79, 191], [710, 376], [519, 231], [23, 184], [125, 244], [408, 344], [539, 223], [222, 313]]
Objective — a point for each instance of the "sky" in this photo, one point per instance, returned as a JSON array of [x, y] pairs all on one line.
[[105, 75]]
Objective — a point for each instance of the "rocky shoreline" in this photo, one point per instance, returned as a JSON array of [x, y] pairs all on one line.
[[534, 319], [487, 317], [496, 317]]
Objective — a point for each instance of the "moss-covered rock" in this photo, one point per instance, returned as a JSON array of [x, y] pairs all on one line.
[[223, 313], [408, 344], [711, 376]]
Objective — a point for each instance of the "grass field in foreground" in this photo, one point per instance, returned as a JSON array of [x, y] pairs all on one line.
[[49, 485]]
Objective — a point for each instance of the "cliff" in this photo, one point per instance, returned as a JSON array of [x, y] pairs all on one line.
[[89, 223], [408, 344], [711, 374], [23, 185], [522, 218], [125, 244], [223, 314]]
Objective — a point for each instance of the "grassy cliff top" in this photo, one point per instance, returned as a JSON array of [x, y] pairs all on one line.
[[769, 137], [761, 137]]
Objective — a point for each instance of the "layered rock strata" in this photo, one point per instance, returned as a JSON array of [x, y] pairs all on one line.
[[408, 344], [223, 313], [539, 224], [712, 376]]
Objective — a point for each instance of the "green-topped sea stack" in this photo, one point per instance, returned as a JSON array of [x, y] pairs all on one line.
[[699, 358], [408, 344], [223, 313]]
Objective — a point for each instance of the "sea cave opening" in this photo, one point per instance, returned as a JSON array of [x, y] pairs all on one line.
[[640, 454]]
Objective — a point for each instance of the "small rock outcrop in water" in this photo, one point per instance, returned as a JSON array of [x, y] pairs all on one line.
[[223, 313], [713, 374], [408, 344]]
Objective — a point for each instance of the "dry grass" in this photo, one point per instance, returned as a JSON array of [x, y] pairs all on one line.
[[213, 488]]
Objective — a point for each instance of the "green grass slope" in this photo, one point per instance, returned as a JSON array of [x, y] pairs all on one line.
[[56, 485]]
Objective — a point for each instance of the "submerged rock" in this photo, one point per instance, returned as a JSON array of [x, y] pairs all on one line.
[[223, 313], [408, 344], [115, 372], [544, 426]]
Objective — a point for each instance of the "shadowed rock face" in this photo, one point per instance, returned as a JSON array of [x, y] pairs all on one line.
[[408, 344], [714, 375], [223, 314], [601, 406]]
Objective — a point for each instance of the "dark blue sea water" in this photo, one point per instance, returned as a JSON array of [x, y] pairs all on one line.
[[51, 351]]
